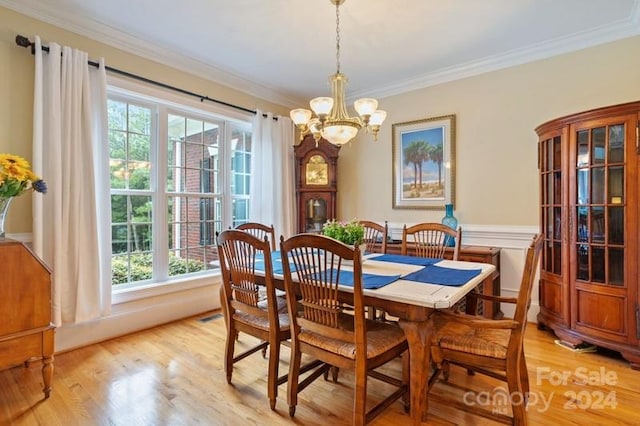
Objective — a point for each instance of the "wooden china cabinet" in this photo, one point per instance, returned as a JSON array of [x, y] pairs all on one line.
[[589, 196], [316, 182]]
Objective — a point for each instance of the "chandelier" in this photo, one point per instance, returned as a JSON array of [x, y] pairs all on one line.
[[332, 122]]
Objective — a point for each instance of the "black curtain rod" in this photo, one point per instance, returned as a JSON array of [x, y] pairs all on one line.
[[24, 42]]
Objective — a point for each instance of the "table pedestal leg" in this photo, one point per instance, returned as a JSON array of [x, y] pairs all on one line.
[[419, 338]]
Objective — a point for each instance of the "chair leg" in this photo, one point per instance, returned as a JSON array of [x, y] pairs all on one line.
[[334, 374], [515, 390], [229, 348], [446, 370], [371, 312], [406, 379], [292, 384], [524, 375], [274, 361], [360, 398]]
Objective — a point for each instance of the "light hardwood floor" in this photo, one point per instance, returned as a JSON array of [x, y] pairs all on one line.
[[173, 375]]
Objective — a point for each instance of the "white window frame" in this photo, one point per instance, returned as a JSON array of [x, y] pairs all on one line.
[[173, 103]]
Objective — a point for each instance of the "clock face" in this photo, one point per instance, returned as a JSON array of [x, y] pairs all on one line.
[[317, 171]]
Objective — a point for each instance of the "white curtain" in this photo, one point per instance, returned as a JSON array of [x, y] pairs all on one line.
[[272, 177], [70, 148]]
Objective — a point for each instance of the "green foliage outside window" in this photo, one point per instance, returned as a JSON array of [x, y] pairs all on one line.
[[141, 268]]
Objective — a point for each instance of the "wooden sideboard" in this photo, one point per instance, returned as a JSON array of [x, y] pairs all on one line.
[[490, 286], [26, 331]]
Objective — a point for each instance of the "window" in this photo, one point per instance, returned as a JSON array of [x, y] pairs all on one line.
[[178, 177]]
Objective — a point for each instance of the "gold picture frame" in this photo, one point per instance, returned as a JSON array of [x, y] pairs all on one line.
[[423, 157]]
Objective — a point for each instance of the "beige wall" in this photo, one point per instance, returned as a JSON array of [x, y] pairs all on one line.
[[16, 89], [496, 113]]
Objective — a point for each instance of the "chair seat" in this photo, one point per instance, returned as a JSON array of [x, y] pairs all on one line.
[[381, 337], [261, 322], [281, 303], [489, 342]]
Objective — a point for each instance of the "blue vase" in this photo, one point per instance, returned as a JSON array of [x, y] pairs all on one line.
[[450, 220]]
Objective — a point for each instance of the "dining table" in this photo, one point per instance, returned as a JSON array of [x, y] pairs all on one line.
[[411, 289]]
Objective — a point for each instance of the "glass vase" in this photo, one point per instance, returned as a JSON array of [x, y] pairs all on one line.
[[4, 209], [450, 220]]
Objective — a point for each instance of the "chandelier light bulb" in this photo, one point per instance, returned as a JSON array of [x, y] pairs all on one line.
[[377, 117], [321, 106], [365, 106], [300, 116]]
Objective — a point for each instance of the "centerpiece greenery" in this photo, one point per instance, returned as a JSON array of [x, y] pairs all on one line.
[[351, 233]]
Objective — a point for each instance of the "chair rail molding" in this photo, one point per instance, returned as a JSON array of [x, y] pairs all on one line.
[[503, 236]]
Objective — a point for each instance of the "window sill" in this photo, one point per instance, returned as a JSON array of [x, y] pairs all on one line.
[[166, 287]]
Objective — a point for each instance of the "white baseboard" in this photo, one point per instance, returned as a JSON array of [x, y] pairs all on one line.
[[130, 317], [532, 316]]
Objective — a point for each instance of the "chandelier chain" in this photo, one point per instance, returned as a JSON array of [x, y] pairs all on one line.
[[338, 36]]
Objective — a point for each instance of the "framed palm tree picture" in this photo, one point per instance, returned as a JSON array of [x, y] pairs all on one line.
[[423, 155]]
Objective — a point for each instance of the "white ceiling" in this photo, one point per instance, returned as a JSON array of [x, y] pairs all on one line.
[[284, 50]]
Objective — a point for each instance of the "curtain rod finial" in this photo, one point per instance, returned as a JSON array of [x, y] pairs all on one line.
[[23, 41]]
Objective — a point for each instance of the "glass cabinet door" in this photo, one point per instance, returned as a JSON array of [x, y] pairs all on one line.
[[553, 291], [551, 202], [599, 204], [602, 165]]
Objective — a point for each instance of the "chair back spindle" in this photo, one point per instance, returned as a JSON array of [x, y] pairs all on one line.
[[430, 240], [260, 231]]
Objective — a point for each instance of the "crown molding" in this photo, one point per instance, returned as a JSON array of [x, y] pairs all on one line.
[[600, 35], [110, 36]]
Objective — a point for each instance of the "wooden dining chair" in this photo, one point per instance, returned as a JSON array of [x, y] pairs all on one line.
[[246, 308], [491, 347], [323, 331], [375, 236], [259, 231], [430, 240]]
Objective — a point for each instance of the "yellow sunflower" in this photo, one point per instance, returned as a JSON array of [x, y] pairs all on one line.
[[15, 166], [16, 177]]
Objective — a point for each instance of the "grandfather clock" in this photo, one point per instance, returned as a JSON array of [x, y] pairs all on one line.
[[316, 182]]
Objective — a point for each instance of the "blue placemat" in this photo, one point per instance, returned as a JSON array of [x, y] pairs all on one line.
[[369, 281], [409, 260], [276, 263], [444, 276]]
